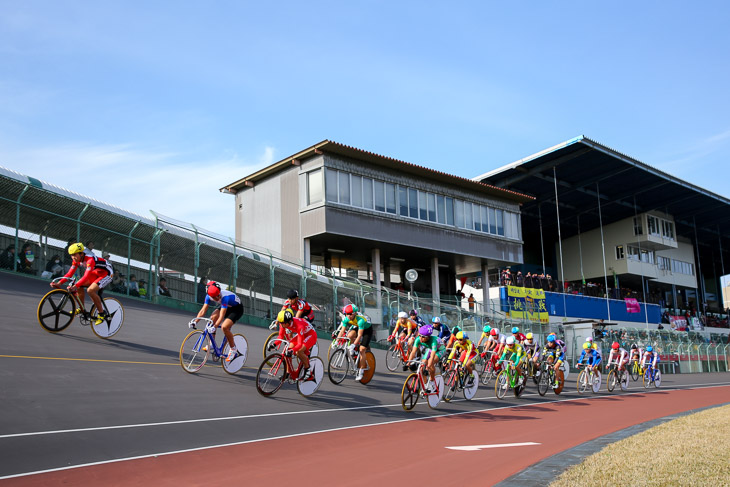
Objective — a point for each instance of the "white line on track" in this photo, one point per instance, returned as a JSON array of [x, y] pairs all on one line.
[[259, 440], [485, 447]]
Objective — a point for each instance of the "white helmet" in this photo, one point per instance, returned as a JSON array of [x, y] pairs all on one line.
[[402, 314], [502, 339], [510, 340], [436, 319]]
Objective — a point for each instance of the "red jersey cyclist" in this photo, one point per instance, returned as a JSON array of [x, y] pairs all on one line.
[[230, 311], [299, 307], [98, 274], [618, 355], [302, 342]]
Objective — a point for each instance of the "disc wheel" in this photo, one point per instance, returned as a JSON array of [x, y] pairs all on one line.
[[409, 394], [657, 378], [501, 384], [520, 388], [277, 348], [312, 385], [113, 321], [435, 399], [367, 375], [471, 391], [241, 354], [624, 380], [194, 351], [392, 358], [270, 378], [338, 366], [56, 310]]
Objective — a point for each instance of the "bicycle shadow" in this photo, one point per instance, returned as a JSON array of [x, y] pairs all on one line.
[[124, 345]]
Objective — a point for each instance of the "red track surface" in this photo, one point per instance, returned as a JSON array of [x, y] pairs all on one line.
[[380, 455]]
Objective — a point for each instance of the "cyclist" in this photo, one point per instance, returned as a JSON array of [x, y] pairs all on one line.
[[360, 332], [299, 307], [591, 356], [406, 326], [304, 338], [516, 354], [98, 274], [419, 322], [618, 355], [444, 334], [532, 349], [635, 353], [519, 336], [554, 353], [433, 351], [485, 334], [469, 351], [649, 356], [224, 317]]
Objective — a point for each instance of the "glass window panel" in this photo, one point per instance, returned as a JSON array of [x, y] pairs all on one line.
[[356, 182], [459, 213], [485, 218], [431, 207], [500, 222], [315, 187], [468, 217], [422, 206], [390, 198], [492, 221], [449, 211], [331, 185], [379, 195], [403, 200], [441, 209], [413, 203], [367, 193], [344, 187], [477, 218]]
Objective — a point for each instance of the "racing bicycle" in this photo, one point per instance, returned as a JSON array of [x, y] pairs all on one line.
[[548, 378], [457, 379], [588, 379], [57, 309], [200, 344], [278, 368], [343, 361], [653, 376], [415, 387], [272, 344], [508, 378], [396, 355], [617, 376]]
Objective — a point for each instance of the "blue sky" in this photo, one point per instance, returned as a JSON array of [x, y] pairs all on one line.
[[172, 100]]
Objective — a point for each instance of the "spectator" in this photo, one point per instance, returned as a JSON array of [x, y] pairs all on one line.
[[8, 257], [133, 286], [202, 290], [54, 268], [66, 256], [118, 283], [528, 280], [90, 247], [162, 288], [25, 260], [472, 301], [142, 289], [519, 281], [550, 283]]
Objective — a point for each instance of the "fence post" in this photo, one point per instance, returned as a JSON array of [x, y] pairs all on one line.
[[271, 285], [17, 227], [78, 223], [129, 248]]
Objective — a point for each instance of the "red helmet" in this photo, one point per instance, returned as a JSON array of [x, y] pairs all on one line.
[[493, 332], [349, 309], [214, 290], [615, 345]]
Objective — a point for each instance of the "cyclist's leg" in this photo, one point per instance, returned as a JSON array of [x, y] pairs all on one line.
[[431, 365], [226, 327]]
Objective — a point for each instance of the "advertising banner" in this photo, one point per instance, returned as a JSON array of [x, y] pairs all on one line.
[[632, 305], [527, 303], [678, 323]]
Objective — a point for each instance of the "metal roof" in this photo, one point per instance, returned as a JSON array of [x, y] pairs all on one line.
[[584, 168], [384, 161]]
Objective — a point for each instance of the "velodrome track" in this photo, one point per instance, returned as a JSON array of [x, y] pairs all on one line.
[[81, 410]]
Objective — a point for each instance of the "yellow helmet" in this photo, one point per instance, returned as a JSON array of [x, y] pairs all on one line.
[[586, 346], [75, 248], [529, 336], [285, 316], [460, 336]]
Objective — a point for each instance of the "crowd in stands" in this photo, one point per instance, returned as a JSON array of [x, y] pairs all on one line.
[[529, 280]]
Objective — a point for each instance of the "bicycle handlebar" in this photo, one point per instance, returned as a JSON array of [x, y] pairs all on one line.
[[195, 321], [71, 279]]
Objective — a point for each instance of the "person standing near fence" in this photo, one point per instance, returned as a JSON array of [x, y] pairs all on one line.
[[472, 302]]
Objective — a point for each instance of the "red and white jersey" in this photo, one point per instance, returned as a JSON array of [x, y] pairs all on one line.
[[92, 264]]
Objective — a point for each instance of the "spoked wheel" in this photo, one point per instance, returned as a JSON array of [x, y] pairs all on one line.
[[488, 372], [501, 385], [241, 354], [409, 394], [311, 385], [471, 390], [534, 372], [392, 358], [582, 382], [113, 321], [275, 344], [194, 351], [452, 377], [338, 366], [634, 371], [56, 310], [544, 383], [611, 381], [657, 378], [367, 375], [270, 378]]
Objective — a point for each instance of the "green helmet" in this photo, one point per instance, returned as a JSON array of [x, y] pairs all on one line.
[[487, 329]]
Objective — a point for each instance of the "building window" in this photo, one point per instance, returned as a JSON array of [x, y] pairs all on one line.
[[344, 187], [367, 193], [500, 222], [356, 182], [441, 208], [315, 189], [422, 206], [413, 203], [619, 252], [403, 200], [647, 256], [652, 224], [667, 229], [484, 218], [663, 262], [492, 221], [390, 198], [431, 207], [331, 185], [459, 213], [379, 187], [477, 218], [449, 211], [633, 253], [638, 228]]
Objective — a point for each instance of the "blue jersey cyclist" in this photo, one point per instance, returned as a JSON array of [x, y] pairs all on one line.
[[433, 350], [413, 316], [590, 355], [649, 356], [442, 330], [554, 353], [224, 317]]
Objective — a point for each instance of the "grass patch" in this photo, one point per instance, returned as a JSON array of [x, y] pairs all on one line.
[[692, 450]]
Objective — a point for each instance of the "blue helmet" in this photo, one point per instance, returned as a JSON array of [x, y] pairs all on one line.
[[649, 348], [551, 338], [515, 329]]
